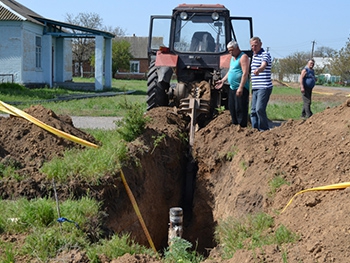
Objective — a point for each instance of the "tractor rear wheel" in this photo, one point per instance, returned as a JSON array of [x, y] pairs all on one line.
[[156, 91]]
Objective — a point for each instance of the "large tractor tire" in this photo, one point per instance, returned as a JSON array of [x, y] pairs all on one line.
[[156, 91]]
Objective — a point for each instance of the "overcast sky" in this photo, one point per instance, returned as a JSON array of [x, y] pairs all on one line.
[[284, 26]]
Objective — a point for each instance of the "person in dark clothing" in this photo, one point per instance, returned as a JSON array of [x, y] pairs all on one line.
[[238, 78], [307, 83]]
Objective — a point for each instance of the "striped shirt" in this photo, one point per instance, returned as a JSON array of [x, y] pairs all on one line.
[[263, 80]]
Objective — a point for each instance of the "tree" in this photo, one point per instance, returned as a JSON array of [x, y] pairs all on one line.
[[324, 52], [83, 47], [117, 31], [341, 61], [121, 55], [290, 65]]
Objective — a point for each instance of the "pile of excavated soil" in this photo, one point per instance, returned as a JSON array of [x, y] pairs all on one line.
[[305, 153]]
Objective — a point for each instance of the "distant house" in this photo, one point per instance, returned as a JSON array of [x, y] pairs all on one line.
[[36, 51], [139, 64]]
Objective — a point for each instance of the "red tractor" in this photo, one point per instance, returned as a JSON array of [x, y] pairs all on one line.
[[187, 55]]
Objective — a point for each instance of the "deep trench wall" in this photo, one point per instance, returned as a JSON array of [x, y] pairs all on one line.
[[155, 176]]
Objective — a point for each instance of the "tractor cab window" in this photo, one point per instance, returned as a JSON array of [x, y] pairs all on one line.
[[200, 33]]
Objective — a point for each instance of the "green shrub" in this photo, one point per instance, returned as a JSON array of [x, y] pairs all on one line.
[[179, 251], [133, 124]]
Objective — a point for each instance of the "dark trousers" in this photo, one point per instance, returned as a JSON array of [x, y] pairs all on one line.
[[306, 112], [238, 107]]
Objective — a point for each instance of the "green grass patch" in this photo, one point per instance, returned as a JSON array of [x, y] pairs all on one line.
[[46, 237], [250, 233], [276, 183], [116, 247], [23, 98], [90, 164]]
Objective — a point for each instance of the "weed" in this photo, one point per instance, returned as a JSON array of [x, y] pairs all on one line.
[[157, 140], [250, 233], [8, 169], [232, 153], [220, 109], [276, 183], [7, 255], [183, 137], [243, 165], [133, 124], [179, 252], [116, 247]]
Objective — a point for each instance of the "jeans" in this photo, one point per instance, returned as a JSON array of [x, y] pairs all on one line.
[[238, 107], [258, 115], [306, 112]]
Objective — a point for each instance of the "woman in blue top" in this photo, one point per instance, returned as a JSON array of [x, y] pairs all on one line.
[[237, 77], [307, 83]]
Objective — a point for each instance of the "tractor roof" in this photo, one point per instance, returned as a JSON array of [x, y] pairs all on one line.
[[201, 7]]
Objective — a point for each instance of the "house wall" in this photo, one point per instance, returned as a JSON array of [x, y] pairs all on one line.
[[129, 75], [18, 55], [10, 51], [31, 74]]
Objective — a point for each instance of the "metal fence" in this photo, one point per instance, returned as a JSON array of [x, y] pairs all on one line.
[[7, 78]]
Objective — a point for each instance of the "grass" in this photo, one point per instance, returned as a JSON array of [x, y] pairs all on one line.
[[250, 233], [92, 164], [276, 182], [23, 98], [118, 105]]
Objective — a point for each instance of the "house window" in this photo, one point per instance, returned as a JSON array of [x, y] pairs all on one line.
[[135, 66], [38, 52]]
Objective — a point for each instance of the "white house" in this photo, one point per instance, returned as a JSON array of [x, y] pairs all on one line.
[[38, 51]]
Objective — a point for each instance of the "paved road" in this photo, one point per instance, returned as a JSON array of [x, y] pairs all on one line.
[[80, 122], [107, 123]]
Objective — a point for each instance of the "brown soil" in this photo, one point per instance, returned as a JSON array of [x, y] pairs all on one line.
[[306, 153]]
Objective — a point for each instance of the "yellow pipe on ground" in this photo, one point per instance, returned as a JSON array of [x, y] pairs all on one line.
[[137, 211], [320, 188], [19, 113]]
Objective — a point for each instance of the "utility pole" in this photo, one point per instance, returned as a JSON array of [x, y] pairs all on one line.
[[312, 49]]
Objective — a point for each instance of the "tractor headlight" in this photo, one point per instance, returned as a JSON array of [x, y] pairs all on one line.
[[184, 16], [215, 16]]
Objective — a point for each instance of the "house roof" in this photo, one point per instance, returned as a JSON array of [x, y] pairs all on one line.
[[321, 62], [138, 45], [11, 10]]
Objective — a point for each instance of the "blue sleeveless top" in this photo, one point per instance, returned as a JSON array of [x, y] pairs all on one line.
[[309, 80], [235, 74]]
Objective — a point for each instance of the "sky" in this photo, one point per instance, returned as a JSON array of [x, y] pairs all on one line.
[[284, 26]]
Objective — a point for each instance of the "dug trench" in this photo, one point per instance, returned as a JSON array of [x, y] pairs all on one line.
[[234, 169]]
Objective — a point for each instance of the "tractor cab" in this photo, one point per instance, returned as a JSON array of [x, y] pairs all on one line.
[[199, 29]]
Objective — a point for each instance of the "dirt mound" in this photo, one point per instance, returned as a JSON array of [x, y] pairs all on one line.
[[26, 146], [235, 166]]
